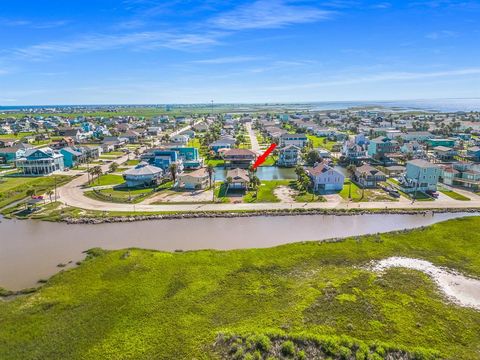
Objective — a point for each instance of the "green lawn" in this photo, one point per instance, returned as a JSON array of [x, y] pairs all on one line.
[[269, 161], [131, 162], [454, 195], [14, 188], [214, 162], [107, 179], [266, 191], [319, 142], [368, 194], [139, 304], [120, 194], [17, 136]]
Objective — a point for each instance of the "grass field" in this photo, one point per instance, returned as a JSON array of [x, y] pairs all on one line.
[[265, 192], [120, 194], [454, 195], [107, 179], [319, 142], [137, 304], [15, 188]]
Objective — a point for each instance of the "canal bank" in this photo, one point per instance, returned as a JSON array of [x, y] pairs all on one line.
[[35, 250]]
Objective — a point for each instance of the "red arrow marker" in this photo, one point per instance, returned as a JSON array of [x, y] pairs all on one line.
[[261, 159]]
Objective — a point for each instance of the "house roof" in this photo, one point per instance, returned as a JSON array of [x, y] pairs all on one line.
[[295, 136], [234, 152], [200, 173], [422, 163], [442, 148], [238, 174], [366, 168], [142, 169], [72, 151]]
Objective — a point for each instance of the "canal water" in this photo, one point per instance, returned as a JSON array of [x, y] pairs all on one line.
[[263, 173], [31, 250]]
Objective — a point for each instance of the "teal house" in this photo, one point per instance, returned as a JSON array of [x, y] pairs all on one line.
[[71, 157], [190, 156], [441, 142]]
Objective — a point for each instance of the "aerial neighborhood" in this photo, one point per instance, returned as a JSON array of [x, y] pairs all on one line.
[[332, 157]]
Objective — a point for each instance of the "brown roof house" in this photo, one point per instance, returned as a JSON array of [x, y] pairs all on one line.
[[239, 158], [239, 178]]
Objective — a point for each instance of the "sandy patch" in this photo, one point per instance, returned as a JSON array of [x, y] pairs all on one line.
[[285, 194], [460, 289], [182, 196]]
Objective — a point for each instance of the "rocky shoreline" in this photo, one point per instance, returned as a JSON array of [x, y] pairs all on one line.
[[294, 212]]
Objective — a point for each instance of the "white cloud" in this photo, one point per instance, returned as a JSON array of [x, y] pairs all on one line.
[[98, 42], [380, 77], [268, 14], [33, 24], [443, 34]]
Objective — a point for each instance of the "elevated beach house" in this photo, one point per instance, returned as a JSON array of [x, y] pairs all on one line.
[[289, 156], [299, 140], [40, 161], [239, 158], [239, 179], [143, 175], [194, 180], [325, 178], [421, 175]]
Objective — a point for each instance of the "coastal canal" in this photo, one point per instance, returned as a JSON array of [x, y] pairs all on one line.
[[31, 250]]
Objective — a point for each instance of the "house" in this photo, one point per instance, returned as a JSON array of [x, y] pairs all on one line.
[[382, 145], [198, 179], [462, 174], [40, 161], [419, 136], [474, 153], [64, 142], [132, 136], [239, 179], [8, 142], [289, 156], [224, 143], [143, 175], [299, 140], [10, 154], [163, 158], [189, 156], [154, 131], [394, 170], [444, 153], [180, 139], [72, 156], [421, 175], [441, 142], [325, 178], [353, 152], [239, 158], [366, 176]]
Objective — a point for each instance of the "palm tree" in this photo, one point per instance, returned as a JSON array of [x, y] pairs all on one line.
[[228, 181], [210, 171], [113, 167], [30, 192], [97, 170], [173, 172], [50, 193]]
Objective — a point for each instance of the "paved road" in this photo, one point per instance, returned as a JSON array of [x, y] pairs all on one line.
[[253, 139], [72, 194]]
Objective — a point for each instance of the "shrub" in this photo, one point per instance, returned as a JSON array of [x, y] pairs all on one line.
[[288, 348]]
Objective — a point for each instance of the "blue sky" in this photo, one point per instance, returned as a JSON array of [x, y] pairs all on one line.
[[152, 51]]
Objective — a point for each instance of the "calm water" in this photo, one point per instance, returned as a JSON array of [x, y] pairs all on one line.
[[263, 173], [31, 250]]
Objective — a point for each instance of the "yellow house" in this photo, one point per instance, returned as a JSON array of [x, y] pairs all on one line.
[[197, 179]]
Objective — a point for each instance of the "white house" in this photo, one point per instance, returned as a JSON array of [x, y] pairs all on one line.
[[325, 178]]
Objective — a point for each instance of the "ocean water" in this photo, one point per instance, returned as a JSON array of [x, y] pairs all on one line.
[[435, 105]]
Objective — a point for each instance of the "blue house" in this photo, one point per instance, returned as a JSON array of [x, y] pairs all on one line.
[[71, 156], [143, 175], [40, 161], [163, 158], [190, 157], [474, 153]]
